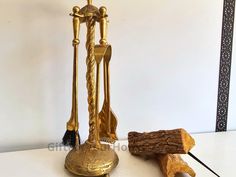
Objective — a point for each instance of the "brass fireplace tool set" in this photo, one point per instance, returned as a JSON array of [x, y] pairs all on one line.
[[92, 158]]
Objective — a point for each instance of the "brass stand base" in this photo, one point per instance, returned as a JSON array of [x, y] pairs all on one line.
[[86, 160]]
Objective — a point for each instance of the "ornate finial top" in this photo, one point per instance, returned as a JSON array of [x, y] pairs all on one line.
[[90, 2]]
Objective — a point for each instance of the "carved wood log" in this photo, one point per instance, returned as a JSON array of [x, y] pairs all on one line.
[[176, 141], [171, 164]]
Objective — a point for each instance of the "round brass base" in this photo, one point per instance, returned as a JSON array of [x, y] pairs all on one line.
[[86, 160]]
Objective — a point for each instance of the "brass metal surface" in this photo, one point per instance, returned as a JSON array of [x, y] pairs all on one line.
[[88, 160], [103, 25], [108, 120], [72, 124], [93, 158]]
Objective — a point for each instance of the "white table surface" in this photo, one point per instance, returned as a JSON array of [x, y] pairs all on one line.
[[218, 150]]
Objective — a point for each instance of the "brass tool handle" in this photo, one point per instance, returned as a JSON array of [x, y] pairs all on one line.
[[73, 124], [103, 42], [89, 2], [107, 86], [76, 29], [97, 98], [103, 26], [106, 62], [76, 25]]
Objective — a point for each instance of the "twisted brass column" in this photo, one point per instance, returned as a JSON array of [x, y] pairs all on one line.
[[90, 77]]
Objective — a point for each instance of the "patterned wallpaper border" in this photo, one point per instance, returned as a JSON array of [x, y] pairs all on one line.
[[225, 65]]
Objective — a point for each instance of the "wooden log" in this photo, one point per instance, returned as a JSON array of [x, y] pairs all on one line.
[[176, 141], [172, 164]]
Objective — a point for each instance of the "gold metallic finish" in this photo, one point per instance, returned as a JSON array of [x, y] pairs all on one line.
[[90, 161], [103, 25], [89, 2], [72, 124], [93, 158], [89, 11], [107, 117], [99, 53], [90, 77]]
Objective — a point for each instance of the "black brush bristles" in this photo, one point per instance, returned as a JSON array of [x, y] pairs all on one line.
[[69, 138]]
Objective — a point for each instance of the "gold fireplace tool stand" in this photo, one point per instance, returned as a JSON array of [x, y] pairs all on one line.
[[92, 158]]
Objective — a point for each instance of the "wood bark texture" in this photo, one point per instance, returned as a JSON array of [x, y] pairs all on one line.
[[176, 141]]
